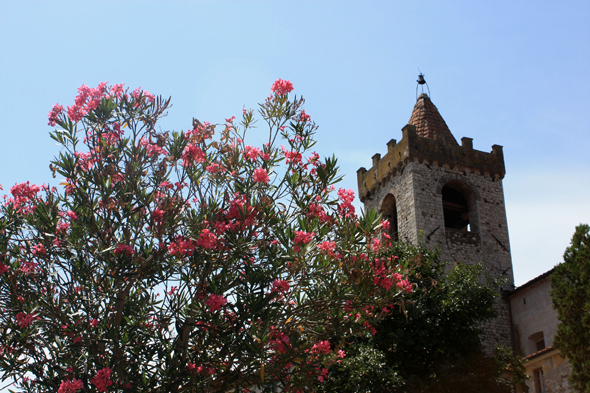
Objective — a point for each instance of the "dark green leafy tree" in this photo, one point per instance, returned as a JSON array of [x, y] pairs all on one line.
[[434, 343], [570, 291]]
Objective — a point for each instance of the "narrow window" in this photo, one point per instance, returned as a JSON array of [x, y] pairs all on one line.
[[389, 212], [455, 209], [539, 381]]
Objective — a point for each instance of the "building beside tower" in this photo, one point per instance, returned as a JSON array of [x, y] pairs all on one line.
[[442, 194]]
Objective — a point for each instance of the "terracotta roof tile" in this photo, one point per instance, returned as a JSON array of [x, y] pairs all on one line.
[[429, 122]]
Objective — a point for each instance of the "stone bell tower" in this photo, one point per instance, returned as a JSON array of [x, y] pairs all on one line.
[[443, 194]]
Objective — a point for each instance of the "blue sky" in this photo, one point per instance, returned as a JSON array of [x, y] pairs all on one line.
[[513, 73]]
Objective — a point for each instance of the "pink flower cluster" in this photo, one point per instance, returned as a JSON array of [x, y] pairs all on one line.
[[23, 196], [23, 319], [102, 380], [328, 248], [280, 342], [280, 286], [72, 386], [87, 100], [207, 239], [318, 211], [124, 249], [192, 154], [181, 247], [252, 153], [39, 250], [304, 117], [215, 302], [282, 87], [301, 238], [345, 208], [29, 268], [322, 347], [260, 175], [137, 93], [152, 148], [53, 115]]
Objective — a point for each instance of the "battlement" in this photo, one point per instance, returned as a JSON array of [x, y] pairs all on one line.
[[428, 151]]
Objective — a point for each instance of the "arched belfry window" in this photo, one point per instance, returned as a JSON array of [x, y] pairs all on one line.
[[389, 212], [459, 207]]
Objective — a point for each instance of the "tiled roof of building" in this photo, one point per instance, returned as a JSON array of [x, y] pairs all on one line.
[[539, 353], [429, 122]]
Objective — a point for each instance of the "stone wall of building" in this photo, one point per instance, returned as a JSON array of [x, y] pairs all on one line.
[[533, 312]]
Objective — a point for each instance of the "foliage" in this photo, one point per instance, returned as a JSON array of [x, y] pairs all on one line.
[[186, 261], [435, 346], [570, 291]]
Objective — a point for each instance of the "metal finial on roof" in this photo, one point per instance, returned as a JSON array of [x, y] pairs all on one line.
[[421, 82]]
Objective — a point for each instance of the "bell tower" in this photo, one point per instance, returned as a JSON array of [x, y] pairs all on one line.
[[443, 194]]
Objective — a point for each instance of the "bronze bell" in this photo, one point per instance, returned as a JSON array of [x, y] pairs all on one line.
[[421, 80]]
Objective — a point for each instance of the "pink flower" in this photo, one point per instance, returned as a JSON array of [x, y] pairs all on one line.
[[282, 87], [323, 375], [280, 343], [102, 379], [124, 249], [153, 149], [192, 154], [72, 386], [215, 302], [117, 90], [404, 285], [302, 237], [385, 224], [260, 175], [23, 320], [39, 250], [207, 239], [321, 347], [29, 268], [327, 247], [172, 290], [280, 286], [3, 268], [346, 209], [252, 153], [341, 354], [62, 227], [215, 168], [54, 114], [94, 322], [181, 247], [305, 117]]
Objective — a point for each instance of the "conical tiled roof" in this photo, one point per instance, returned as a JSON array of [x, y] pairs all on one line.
[[429, 122]]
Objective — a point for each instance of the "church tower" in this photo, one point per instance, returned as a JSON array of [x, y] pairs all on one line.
[[435, 191]]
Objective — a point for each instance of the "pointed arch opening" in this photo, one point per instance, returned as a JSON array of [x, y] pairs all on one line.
[[389, 212], [459, 207]]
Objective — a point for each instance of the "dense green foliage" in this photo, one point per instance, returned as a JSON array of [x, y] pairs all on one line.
[[570, 290], [435, 345]]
